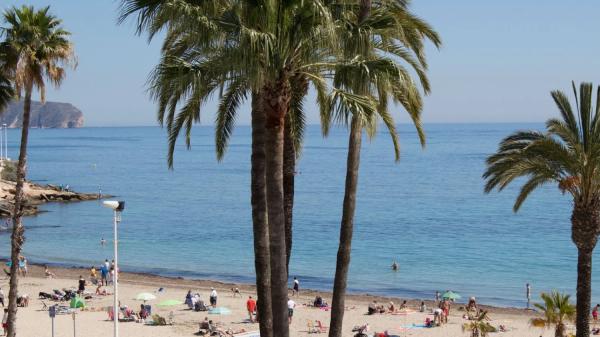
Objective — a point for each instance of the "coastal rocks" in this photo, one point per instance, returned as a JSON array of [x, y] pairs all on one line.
[[38, 194], [48, 115]]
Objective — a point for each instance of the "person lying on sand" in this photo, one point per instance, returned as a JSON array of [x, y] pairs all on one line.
[[100, 291]]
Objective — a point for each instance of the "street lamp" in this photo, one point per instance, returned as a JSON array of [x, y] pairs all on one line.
[[5, 141], [117, 207]]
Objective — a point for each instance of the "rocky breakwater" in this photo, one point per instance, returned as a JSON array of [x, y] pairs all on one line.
[[36, 195]]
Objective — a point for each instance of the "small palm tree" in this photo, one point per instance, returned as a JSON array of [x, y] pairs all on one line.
[[557, 310], [35, 48], [567, 154], [479, 327]]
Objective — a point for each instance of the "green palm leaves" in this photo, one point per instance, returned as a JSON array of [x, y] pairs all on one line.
[[36, 48], [6, 92], [557, 310], [568, 153]]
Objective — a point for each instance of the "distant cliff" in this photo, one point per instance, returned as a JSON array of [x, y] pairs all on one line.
[[49, 115]]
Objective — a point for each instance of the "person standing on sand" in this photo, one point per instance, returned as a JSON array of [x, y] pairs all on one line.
[[104, 275], [291, 305], [437, 297], [251, 307], [296, 289], [528, 294], [213, 297], [595, 313], [2, 297]]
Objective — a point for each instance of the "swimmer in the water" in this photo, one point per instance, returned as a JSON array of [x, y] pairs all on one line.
[[395, 265]]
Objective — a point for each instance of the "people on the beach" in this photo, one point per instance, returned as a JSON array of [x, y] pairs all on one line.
[[48, 273], [296, 288], [22, 266], [104, 274], [213, 297], [472, 306], [392, 308], [318, 302], [291, 305], [375, 308], [236, 291], [437, 297], [404, 305], [251, 307], [100, 291], [81, 285], [445, 306], [595, 313], [423, 307], [2, 297]]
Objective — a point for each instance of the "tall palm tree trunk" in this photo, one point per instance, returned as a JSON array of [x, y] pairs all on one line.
[[276, 101], [560, 330], [289, 170], [585, 228], [18, 237], [346, 229], [259, 220]]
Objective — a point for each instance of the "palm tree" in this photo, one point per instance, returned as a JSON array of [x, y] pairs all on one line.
[[376, 35], [37, 49], [237, 47], [557, 311], [479, 326], [568, 155]]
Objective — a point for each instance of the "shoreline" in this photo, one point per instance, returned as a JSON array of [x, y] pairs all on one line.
[[179, 282]]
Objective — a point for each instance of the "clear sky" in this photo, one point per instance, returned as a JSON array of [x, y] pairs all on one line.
[[498, 63]]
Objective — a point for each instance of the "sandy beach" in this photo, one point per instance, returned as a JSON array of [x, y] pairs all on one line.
[[93, 321]]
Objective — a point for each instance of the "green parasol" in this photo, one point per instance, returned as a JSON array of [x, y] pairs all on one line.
[[450, 295]]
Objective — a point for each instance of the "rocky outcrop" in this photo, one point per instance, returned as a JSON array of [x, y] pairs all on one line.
[[35, 195], [48, 115]]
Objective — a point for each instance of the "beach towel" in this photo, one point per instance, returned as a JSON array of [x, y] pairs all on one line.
[[248, 334]]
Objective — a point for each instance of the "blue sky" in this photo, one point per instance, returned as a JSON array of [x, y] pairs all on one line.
[[498, 63]]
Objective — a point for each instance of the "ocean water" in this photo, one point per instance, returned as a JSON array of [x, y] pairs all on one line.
[[428, 212]]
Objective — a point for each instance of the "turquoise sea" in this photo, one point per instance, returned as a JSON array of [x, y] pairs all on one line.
[[428, 212]]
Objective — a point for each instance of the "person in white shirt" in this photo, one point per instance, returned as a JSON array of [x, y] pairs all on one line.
[[296, 288], [213, 297], [291, 305]]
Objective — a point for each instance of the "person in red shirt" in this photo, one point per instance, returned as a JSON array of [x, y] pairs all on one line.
[[251, 307]]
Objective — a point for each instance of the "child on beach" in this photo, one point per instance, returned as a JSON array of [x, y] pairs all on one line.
[[296, 289], [251, 307]]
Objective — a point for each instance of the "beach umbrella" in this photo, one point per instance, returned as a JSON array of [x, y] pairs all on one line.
[[77, 302], [145, 297], [450, 295], [219, 311], [169, 303]]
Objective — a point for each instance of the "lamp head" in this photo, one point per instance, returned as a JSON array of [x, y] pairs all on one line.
[[115, 205]]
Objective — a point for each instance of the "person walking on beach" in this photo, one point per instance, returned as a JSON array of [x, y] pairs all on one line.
[[437, 297], [528, 294], [595, 313], [296, 289], [213, 297], [251, 307], [291, 305], [104, 275]]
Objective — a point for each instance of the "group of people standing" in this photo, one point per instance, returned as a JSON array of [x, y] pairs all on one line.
[[107, 271]]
